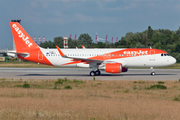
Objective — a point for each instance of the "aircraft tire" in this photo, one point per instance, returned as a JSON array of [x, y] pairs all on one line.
[[153, 73], [97, 72], [92, 73]]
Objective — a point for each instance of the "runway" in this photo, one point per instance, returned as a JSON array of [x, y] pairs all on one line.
[[83, 74]]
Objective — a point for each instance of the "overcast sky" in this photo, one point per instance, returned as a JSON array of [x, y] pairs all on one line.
[[52, 18]]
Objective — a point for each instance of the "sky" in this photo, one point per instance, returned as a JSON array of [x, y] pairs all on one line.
[[53, 18]]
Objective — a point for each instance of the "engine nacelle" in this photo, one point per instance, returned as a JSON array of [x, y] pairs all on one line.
[[124, 69], [113, 67]]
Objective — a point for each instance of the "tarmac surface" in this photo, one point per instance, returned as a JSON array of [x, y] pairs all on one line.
[[83, 74]]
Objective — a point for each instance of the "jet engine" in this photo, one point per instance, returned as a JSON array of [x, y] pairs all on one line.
[[113, 67], [124, 69]]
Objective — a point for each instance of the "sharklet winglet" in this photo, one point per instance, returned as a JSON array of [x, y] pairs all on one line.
[[61, 53]]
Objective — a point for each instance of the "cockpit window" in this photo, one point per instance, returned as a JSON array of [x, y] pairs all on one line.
[[164, 54]]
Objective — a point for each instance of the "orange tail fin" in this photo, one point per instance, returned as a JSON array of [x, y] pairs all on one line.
[[21, 38]]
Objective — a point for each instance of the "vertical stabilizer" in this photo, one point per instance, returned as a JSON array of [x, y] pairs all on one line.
[[21, 38]]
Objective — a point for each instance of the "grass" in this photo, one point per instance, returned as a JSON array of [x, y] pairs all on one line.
[[176, 99], [157, 87], [26, 85], [88, 100], [160, 82]]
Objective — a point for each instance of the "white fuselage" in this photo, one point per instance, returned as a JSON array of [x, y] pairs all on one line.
[[155, 60]]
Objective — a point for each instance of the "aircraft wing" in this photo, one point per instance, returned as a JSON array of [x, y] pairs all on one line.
[[88, 61]]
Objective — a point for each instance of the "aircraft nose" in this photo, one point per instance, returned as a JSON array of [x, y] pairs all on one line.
[[173, 60]]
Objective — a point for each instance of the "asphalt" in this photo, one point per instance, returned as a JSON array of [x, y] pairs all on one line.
[[83, 74]]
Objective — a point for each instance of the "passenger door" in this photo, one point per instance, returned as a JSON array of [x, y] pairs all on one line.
[[40, 55], [152, 55]]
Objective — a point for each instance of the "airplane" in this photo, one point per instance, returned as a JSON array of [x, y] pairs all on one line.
[[109, 60], [83, 47]]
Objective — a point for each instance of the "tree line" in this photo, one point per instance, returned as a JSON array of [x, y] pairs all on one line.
[[163, 39]]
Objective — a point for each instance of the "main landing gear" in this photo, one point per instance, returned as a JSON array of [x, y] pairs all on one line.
[[152, 71], [95, 73]]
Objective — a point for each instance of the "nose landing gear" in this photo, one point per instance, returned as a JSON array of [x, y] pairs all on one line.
[[152, 71]]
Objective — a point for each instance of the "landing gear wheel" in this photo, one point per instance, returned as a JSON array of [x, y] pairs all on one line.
[[153, 73], [97, 72], [92, 73]]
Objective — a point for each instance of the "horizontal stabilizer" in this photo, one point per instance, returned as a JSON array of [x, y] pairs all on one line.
[[21, 54]]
